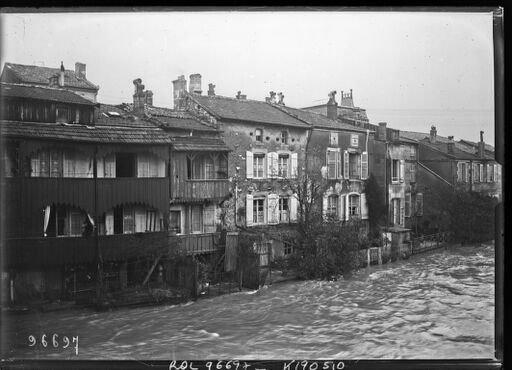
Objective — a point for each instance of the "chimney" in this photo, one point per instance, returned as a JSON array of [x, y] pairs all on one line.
[[272, 98], [80, 70], [61, 75], [241, 96], [195, 84], [138, 97], [381, 131], [346, 99], [450, 145], [179, 87], [281, 99], [148, 97], [433, 134], [211, 90], [332, 106], [481, 146]]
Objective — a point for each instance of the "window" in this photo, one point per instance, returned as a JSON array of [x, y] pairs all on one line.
[[10, 160], [284, 137], [258, 166], [62, 114], [151, 221], [353, 205], [283, 210], [222, 169], [196, 219], [128, 221], [287, 248], [463, 172], [413, 171], [258, 211], [354, 140], [125, 165], [282, 165], [259, 135], [175, 221], [397, 210], [333, 139], [332, 206], [354, 166], [64, 221], [395, 170], [490, 172], [209, 220]]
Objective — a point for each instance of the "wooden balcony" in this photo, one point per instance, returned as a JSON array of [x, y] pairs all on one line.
[[190, 190], [29, 252]]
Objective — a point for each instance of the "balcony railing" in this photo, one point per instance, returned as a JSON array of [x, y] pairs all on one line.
[[200, 189], [47, 251]]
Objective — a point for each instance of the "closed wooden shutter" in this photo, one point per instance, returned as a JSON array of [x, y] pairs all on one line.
[[468, 170], [294, 159], [273, 209], [248, 209], [402, 170], [364, 165], [249, 167], [459, 172], [407, 204], [364, 207], [341, 207], [339, 166], [331, 163], [402, 213], [345, 164], [294, 205]]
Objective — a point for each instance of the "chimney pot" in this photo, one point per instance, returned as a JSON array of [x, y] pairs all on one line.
[[139, 97], [179, 88], [382, 131], [332, 106], [61, 74], [481, 146], [211, 90], [433, 134], [272, 98], [281, 98]]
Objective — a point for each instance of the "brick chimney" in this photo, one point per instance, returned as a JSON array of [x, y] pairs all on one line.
[[194, 86], [80, 69], [211, 90], [450, 145], [433, 134], [481, 146], [179, 88], [138, 97], [382, 131], [61, 75], [346, 99], [148, 97], [332, 106], [280, 96]]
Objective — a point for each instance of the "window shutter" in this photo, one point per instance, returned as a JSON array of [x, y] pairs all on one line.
[[341, 207], [402, 170], [330, 161], [140, 221], [364, 207], [459, 172], [272, 164], [248, 209], [481, 168], [339, 167], [345, 164], [364, 165], [324, 205], [294, 205], [249, 167], [495, 173], [294, 159], [347, 206], [468, 170], [402, 214], [407, 204], [109, 223], [473, 172], [273, 209]]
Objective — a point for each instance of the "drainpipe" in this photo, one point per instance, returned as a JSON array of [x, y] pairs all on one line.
[[99, 258]]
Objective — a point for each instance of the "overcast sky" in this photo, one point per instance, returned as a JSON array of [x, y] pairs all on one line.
[[409, 69]]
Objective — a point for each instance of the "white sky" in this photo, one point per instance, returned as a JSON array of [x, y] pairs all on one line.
[[409, 69]]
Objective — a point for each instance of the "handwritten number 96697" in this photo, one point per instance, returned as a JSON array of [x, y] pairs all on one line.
[[54, 341]]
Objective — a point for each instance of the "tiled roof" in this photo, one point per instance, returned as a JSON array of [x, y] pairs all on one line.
[[488, 147], [192, 143], [319, 120], [246, 110], [41, 75], [113, 115], [82, 133], [41, 93]]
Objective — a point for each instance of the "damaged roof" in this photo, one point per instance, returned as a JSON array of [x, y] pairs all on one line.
[[246, 110], [82, 133], [113, 115], [24, 91], [318, 120], [41, 75]]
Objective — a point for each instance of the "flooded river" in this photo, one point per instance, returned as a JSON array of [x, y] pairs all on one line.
[[436, 305]]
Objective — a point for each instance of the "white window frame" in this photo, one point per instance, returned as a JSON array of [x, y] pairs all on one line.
[[284, 214], [259, 161], [255, 215]]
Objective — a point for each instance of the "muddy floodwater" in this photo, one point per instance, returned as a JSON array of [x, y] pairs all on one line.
[[435, 305]]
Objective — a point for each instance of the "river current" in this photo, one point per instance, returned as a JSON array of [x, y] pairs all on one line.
[[432, 306]]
